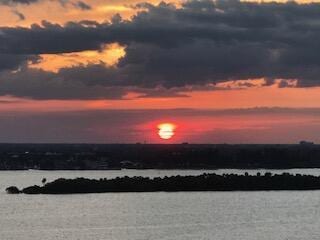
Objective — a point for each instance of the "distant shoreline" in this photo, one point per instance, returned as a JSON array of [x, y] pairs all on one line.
[[158, 156], [203, 182], [158, 169]]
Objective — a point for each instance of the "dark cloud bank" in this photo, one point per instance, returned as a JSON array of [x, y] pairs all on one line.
[[168, 47]]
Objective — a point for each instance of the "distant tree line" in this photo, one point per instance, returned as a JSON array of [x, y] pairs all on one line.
[[146, 156]]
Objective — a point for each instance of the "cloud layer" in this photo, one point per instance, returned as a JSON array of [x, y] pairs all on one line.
[[198, 43]]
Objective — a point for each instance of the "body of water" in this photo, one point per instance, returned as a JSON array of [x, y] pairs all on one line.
[[261, 215]]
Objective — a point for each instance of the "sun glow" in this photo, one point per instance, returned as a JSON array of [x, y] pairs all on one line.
[[166, 130]]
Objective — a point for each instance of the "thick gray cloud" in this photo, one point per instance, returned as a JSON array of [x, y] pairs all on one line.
[[169, 48], [38, 84], [164, 25], [14, 61]]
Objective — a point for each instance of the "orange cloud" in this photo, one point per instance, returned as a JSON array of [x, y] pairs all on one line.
[[53, 11], [110, 54]]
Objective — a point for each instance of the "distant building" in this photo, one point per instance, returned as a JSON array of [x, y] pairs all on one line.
[[126, 164], [306, 143]]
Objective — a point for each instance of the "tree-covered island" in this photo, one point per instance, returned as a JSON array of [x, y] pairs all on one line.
[[204, 182]]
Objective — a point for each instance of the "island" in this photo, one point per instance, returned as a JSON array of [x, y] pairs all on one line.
[[203, 182]]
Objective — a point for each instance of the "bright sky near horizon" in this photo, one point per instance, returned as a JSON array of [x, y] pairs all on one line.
[[112, 71]]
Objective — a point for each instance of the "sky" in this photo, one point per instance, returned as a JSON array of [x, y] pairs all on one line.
[[111, 71]]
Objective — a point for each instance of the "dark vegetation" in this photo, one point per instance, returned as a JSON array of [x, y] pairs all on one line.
[[204, 182], [144, 156]]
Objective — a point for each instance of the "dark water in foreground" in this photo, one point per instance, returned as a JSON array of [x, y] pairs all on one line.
[[176, 216]]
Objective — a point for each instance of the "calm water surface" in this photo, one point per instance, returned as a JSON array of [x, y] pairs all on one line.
[[151, 216]]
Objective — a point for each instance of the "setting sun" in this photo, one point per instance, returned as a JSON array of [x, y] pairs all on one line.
[[166, 130]]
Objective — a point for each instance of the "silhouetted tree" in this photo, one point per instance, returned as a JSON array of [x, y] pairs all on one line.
[[44, 180]]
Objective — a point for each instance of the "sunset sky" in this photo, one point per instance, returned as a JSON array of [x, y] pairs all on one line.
[[111, 71]]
